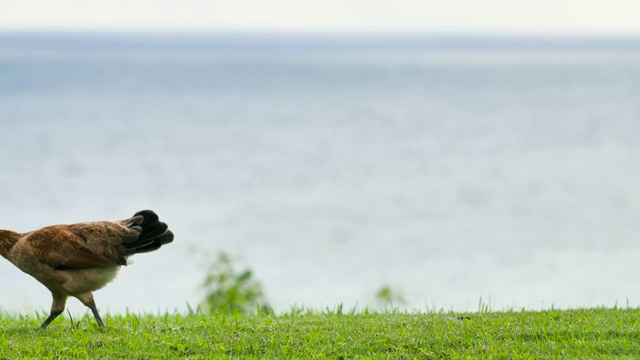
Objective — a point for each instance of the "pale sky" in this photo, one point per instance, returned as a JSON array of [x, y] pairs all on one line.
[[593, 17]]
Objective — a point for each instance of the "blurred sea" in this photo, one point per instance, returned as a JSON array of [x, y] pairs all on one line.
[[449, 168]]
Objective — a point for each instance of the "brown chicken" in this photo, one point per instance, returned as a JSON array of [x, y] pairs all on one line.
[[74, 260]]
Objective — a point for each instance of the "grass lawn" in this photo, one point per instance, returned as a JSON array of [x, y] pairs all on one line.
[[581, 333]]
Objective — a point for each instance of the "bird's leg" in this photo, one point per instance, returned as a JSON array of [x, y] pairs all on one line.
[[94, 310], [57, 307], [87, 300]]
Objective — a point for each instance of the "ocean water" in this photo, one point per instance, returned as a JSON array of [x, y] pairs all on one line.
[[451, 169]]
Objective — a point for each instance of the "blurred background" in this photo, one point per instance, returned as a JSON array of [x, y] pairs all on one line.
[[451, 151]]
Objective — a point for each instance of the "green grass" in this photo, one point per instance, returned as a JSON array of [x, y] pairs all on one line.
[[582, 333]]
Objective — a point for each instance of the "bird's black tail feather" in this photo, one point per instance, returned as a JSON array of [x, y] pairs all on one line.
[[154, 233]]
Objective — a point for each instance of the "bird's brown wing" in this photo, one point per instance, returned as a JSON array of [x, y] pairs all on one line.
[[83, 245]]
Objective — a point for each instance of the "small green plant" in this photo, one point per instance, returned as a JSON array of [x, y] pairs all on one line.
[[388, 297], [484, 307], [228, 290]]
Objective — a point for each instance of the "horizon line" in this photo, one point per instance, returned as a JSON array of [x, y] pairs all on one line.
[[495, 33]]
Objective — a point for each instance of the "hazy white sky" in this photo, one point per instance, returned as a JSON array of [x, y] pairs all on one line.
[[526, 16]]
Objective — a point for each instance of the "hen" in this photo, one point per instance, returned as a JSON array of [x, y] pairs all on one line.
[[75, 260]]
